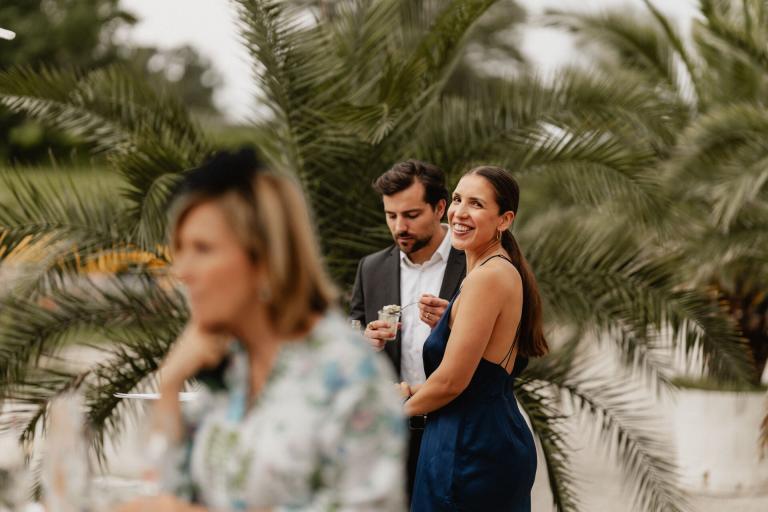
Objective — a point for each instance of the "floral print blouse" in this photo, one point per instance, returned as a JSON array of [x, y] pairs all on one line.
[[325, 434]]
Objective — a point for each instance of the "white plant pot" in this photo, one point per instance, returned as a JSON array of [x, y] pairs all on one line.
[[716, 437]]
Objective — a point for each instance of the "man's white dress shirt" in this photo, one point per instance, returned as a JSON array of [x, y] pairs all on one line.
[[415, 280]]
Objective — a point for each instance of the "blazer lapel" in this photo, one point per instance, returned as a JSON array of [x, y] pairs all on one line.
[[390, 287], [390, 292], [455, 270]]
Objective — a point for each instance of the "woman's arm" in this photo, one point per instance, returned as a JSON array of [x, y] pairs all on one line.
[[482, 297], [193, 351]]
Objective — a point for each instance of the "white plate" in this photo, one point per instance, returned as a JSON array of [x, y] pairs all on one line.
[[183, 397]]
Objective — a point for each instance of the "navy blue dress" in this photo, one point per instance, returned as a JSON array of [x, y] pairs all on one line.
[[477, 453]]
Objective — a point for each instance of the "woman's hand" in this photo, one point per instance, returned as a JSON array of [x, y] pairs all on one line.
[[195, 350], [431, 309], [164, 503]]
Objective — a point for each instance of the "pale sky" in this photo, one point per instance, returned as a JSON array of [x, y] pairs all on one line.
[[210, 26]]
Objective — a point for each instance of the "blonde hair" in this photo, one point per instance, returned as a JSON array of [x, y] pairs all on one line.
[[276, 229]]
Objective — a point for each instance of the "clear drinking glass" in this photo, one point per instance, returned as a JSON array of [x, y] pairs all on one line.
[[15, 478], [356, 325], [392, 319], [65, 471], [149, 457]]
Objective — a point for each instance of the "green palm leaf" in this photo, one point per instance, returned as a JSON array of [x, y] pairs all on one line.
[[146, 134], [549, 424], [729, 139], [613, 406], [30, 331], [636, 41], [614, 284]]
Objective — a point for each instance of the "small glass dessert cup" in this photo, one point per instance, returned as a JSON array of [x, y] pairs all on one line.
[[391, 315]]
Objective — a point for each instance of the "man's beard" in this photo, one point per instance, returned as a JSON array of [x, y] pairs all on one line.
[[418, 244]]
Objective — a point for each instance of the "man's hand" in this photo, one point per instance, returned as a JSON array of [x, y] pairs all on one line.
[[378, 333], [431, 309]]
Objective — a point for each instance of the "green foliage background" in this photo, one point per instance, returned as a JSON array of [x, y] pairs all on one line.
[[643, 215]]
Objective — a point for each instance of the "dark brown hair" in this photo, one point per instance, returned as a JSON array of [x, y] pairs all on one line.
[[403, 174], [531, 340]]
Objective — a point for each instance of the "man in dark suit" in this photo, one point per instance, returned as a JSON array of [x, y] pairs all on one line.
[[420, 267]]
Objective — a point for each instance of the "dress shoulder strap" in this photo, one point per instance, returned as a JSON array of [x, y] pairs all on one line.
[[496, 256], [507, 358], [504, 362]]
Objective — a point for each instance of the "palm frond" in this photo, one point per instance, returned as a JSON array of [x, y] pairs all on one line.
[[52, 97], [594, 168], [130, 362], [625, 423], [54, 232], [442, 44], [64, 219], [509, 121], [743, 250], [295, 67], [433, 61], [676, 41], [549, 424], [617, 284], [621, 101], [31, 331], [364, 36], [634, 40], [134, 359], [727, 139], [30, 398], [154, 169], [146, 134], [735, 28], [42, 211], [104, 107]]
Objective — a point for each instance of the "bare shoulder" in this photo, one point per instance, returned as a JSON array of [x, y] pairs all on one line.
[[495, 276]]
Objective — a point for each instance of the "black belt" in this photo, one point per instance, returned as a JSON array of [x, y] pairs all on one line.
[[417, 422]]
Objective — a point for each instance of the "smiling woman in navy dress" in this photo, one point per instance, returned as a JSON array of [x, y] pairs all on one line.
[[477, 452]]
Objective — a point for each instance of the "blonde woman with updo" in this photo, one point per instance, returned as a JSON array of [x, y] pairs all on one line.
[[307, 417]]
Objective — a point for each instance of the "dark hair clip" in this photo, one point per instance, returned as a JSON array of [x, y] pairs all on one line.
[[224, 171]]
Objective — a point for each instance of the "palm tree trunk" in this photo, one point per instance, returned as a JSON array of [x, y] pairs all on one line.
[[749, 308]]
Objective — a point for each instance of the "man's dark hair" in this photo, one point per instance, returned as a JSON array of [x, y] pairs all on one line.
[[403, 174]]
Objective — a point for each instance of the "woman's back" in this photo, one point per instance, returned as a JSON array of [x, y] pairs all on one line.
[[501, 348]]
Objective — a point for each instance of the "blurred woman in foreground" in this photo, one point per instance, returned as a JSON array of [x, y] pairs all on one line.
[[308, 418]]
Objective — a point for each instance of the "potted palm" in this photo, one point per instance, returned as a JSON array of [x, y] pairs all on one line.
[[713, 168]]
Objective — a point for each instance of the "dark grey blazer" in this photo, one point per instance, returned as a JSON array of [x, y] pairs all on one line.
[[377, 284]]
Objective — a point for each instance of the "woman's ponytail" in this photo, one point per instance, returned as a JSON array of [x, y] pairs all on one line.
[[531, 338]]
